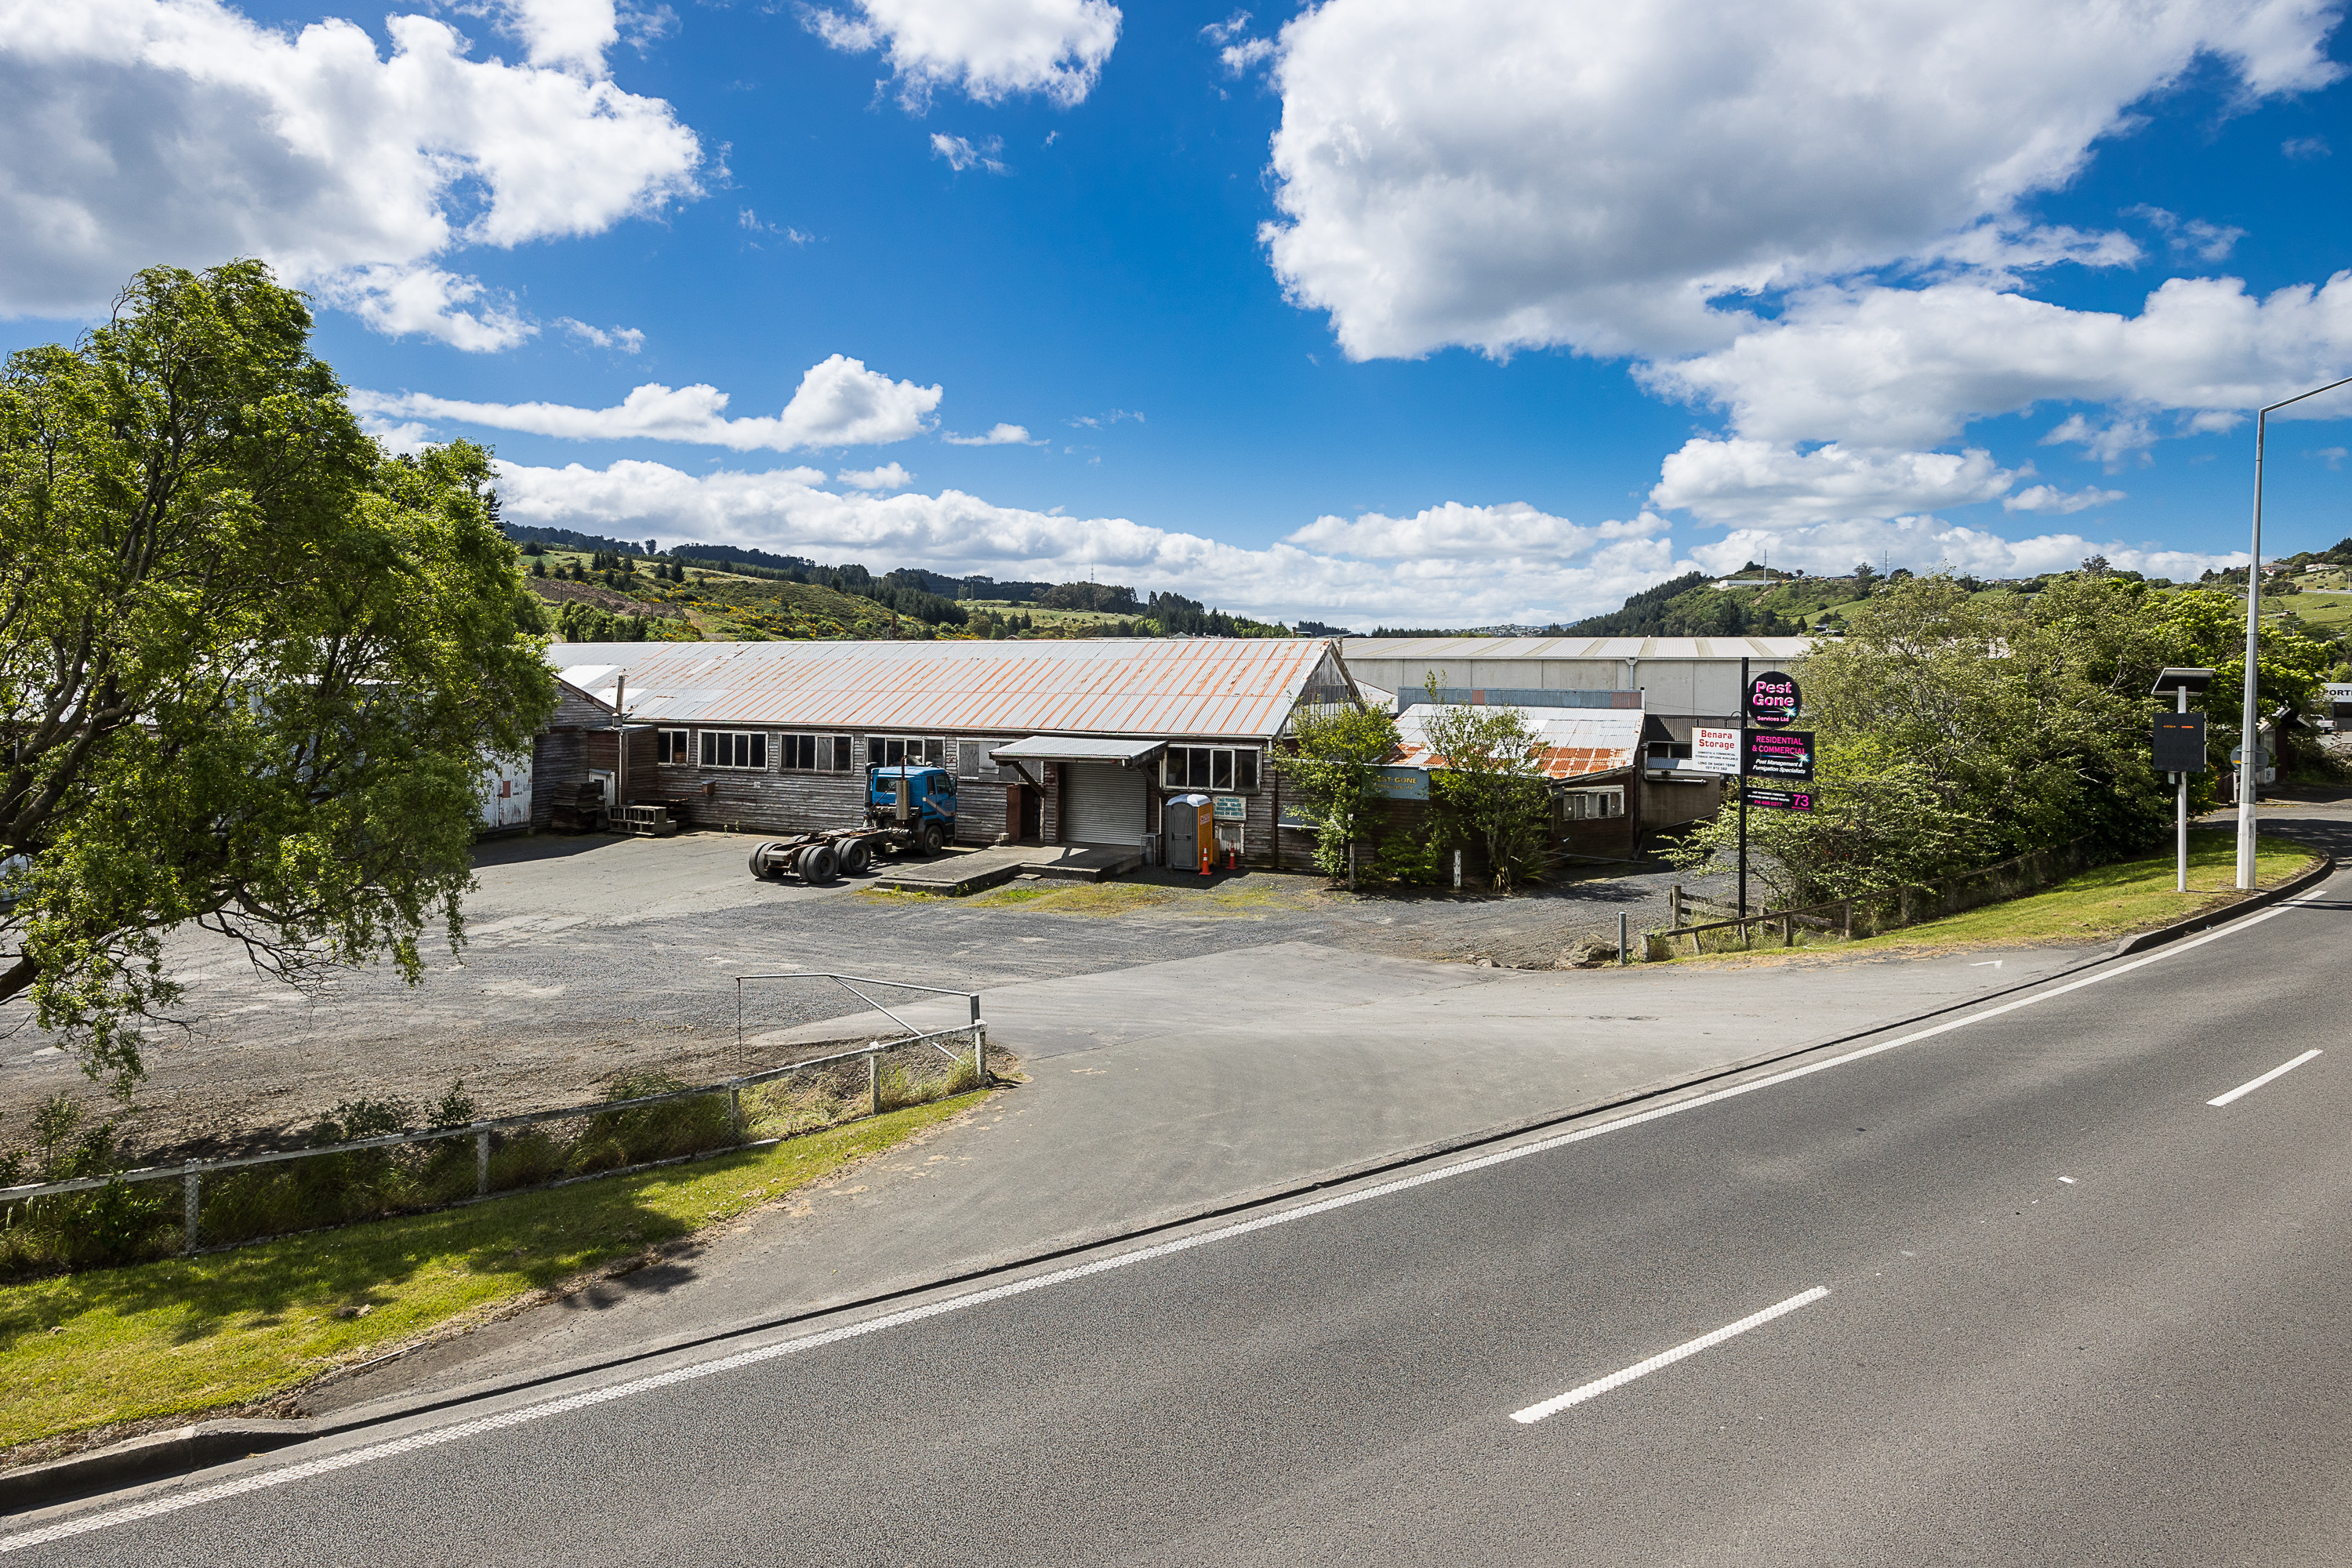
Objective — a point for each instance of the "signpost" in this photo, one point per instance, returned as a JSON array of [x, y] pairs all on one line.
[[1772, 701], [2178, 749]]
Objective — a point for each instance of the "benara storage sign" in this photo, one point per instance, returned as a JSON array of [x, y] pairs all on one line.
[[1773, 698]]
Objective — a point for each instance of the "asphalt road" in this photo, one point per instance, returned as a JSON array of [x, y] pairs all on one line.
[[2073, 1313]]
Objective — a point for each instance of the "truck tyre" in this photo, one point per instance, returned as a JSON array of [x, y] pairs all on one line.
[[817, 865], [855, 858], [935, 838], [760, 860]]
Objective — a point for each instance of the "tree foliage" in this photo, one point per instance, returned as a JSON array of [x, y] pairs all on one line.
[[1956, 728], [1330, 776], [1488, 786], [249, 665]]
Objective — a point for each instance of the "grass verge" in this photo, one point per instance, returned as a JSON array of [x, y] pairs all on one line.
[[189, 1335], [2102, 904]]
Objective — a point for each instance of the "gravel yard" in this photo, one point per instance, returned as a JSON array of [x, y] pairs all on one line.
[[592, 957]]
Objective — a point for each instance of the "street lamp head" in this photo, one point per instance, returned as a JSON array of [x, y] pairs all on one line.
[[2175, 679]]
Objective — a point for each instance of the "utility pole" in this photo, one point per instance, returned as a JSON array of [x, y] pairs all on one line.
[[2248, 753]]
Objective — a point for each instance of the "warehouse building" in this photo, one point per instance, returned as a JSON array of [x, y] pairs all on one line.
[[1052, 743], [1679, 683]]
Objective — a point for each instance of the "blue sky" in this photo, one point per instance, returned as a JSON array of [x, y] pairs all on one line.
[[1370, 312]]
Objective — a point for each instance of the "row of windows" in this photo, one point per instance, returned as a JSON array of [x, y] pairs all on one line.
[[1233, 769], [1228, 769]]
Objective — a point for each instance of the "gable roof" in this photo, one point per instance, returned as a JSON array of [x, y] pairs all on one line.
[[1108, 686]]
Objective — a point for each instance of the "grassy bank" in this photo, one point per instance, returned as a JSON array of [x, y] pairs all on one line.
[[2099, 905], [184, 1336]]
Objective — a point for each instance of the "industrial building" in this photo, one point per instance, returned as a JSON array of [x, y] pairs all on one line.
[[1679, 683], [1053, 742]]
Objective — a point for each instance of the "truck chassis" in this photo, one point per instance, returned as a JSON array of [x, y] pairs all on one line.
[[833, 852]]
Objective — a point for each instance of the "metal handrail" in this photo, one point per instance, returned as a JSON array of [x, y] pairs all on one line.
[[845, 982]]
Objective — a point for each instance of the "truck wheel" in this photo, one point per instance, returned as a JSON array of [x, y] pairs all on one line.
[[817, 865], [935, 838], [760, 860], [855, 858]]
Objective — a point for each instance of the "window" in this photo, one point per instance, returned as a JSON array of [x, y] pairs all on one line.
[[1587, 805], [672, 746], [1661, 751], [734, 749], [1226, 769], [972, 761], [814, 753], [889, 750]]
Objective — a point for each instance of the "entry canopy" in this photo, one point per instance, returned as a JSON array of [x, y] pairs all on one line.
[[1079, 749], [2174, 678]]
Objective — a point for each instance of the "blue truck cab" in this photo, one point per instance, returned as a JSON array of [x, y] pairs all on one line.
[[920, 801]]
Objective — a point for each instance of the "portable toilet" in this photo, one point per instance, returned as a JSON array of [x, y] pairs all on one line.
[[1190, 836]]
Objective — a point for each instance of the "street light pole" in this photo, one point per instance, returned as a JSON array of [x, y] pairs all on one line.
[[2249, 756]]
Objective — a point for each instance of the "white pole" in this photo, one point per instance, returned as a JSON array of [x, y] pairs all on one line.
[[2181, 811], [2247, 754], [2247, 739]]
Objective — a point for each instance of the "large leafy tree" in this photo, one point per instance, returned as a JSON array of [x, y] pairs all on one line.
[[249, 665], [1330, 767]]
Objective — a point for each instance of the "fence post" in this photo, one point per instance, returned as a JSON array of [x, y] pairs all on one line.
[[1676, 904], [979, 1045], [735, 1109], [874, 1083], [482, 1163], [1623, 936], [189, 1182], [1788, 930], [1846, 931]]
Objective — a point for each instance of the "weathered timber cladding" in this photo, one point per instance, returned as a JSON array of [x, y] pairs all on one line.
[[558, 763]]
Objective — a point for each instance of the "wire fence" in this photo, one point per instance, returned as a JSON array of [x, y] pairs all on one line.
[[645, 1121], [1869, 913]]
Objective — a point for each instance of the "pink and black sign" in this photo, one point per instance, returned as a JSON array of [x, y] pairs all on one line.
[[1773, 698], [1779, 754]]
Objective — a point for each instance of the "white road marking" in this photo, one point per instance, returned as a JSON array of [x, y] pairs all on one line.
[[2068, 1180], [1557, 1402], [2245, 1088], [67, 1529]]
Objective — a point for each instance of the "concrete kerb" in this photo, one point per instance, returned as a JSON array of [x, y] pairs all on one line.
[[2211, 918], [164, 1454]]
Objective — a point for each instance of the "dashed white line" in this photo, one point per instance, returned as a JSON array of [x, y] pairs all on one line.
[[1559, 1402], [68, 1528], [2248, 1087]]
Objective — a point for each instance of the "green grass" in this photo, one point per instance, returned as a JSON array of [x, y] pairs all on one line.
[[2099, 905], [184, 1336]]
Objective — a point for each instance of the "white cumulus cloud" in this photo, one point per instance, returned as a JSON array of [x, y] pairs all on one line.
[[1508, 173], [963, 153], [628, 340], [998, 436], [140, 129], [839, 402], [1759, 483], [888, 476], [2050, 497], [1911, 367], [959, 533], [989, 49]]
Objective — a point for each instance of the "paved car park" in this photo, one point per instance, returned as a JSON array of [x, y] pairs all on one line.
[[588, 957]]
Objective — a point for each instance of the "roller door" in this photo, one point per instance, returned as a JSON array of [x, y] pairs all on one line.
[[1102, 803]]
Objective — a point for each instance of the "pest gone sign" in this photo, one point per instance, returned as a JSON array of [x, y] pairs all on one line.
[[1779, 754], [1773, 699]]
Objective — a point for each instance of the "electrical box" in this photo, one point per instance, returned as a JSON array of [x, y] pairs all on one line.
[[2180, 743]]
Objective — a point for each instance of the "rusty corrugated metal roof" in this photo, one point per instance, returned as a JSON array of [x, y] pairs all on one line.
[[1143, 686], [1571, 742]]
